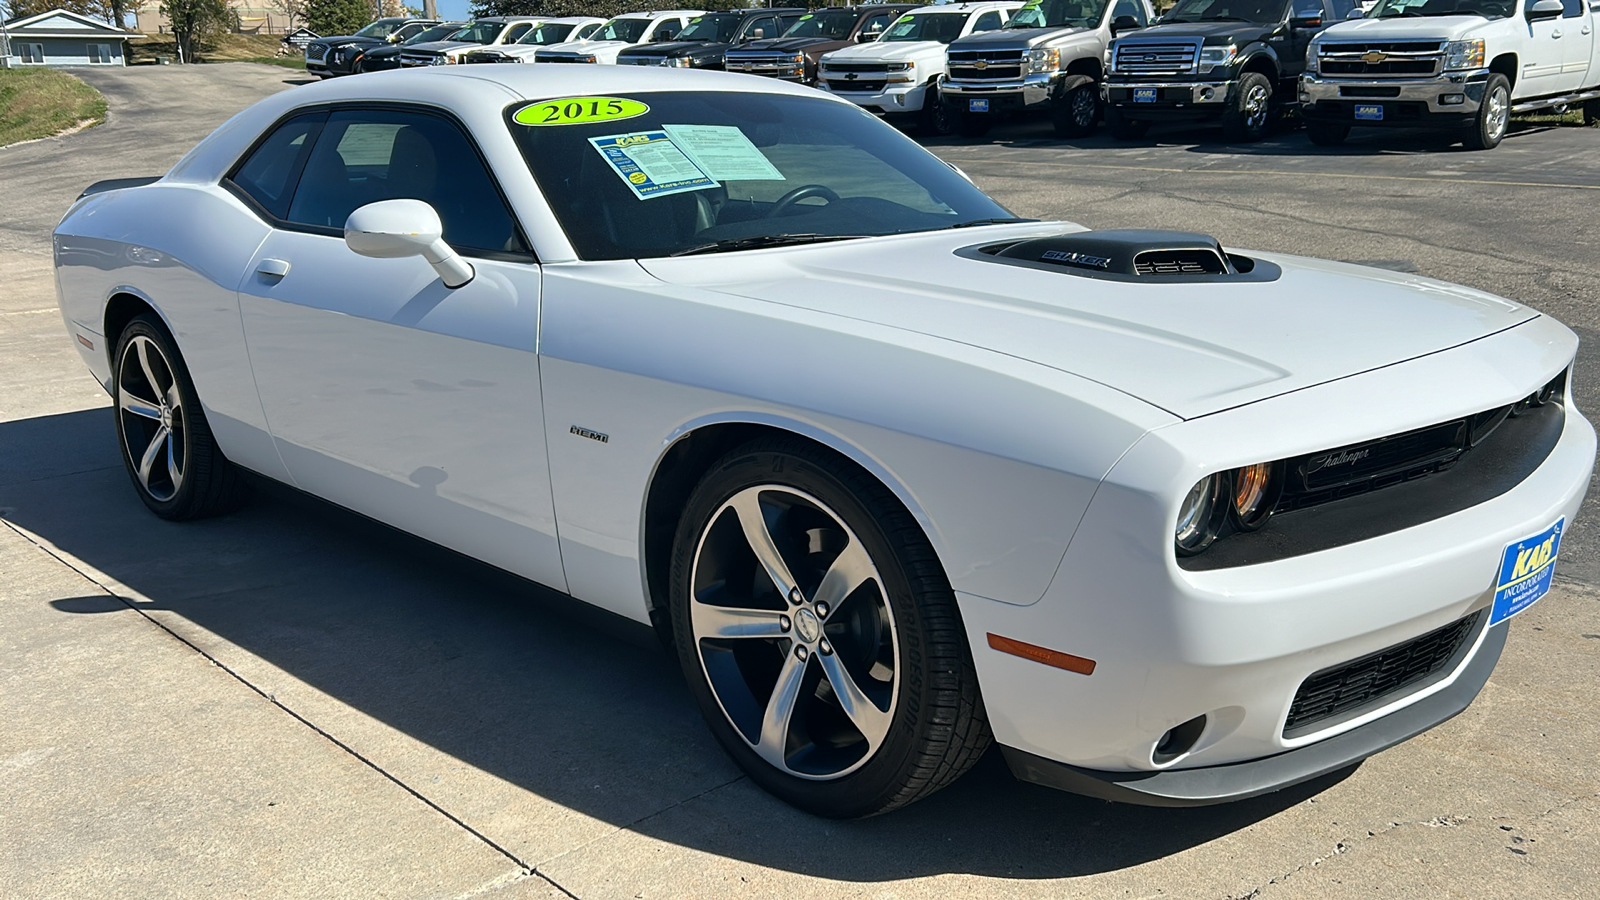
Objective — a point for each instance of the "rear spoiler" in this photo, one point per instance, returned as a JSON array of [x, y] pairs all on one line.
[[117, 184]]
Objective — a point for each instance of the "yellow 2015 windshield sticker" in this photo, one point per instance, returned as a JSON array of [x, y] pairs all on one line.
[[579, 111]]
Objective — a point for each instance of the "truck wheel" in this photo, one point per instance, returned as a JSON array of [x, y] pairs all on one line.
[[973, 126], [1327, 134], [1591, 112], [1494, 114], [1076, 107], [936, 119], [1246, 119], [1123, 128]]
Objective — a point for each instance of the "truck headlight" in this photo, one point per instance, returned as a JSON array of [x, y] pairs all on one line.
[[1312, 54], [1216, 57], [902, 73], [1043, 60], [677, 62], [1460, 55]]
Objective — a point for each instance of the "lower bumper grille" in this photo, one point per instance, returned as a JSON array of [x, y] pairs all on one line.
[[858, 86], [1344, 691]]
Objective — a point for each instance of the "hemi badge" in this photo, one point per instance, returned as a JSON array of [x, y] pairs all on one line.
[[591, 435], [85, 341], [1042, 655]]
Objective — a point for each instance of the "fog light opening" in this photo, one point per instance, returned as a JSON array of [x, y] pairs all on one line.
[[1452, 99], [1207, 93], [1176, 744]]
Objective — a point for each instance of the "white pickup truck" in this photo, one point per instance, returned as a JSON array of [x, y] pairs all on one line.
[[1465, 65]]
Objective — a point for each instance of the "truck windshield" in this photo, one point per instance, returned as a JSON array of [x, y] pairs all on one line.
[[835, 25], [628, 31], [379, 29], [1489, 9], [716, 28], [680, 172], [550, 33], [436, 33], [1059, 14], [1264, 11], [941, 27], [480, 32]]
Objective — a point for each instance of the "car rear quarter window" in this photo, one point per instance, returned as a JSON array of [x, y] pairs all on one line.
[[366, 155], [268, 174]]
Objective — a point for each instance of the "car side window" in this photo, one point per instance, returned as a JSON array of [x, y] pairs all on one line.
[[1341, 9], [1573, 9], [874, 25], [366, 155], [1308, 9], [767, 25], [516, 31], [268, 175], [1133, 9], [989, 21]]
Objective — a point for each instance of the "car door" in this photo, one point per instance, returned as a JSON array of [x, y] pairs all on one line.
[[1543, 56], [385, 391], [1576, 43], [1293, 60]]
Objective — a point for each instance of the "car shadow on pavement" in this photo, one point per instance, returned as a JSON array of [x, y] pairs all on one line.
[[513, 680]]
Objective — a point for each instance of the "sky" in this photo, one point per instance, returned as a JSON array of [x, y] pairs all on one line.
[[452, 10]]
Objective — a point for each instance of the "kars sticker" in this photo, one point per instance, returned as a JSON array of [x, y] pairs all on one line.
[[579, 111], [650, 164]]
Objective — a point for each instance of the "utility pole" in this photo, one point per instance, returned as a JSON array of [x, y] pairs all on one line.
[[430, 9]]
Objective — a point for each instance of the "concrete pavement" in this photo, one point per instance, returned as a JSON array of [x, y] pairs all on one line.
[[294, 702]]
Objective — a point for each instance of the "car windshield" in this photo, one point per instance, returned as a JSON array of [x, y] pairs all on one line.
[[718, 29], [626, 30], [1489, 9], [1059, 14], [480, 32], [436, 33], [941, 27], [1225, 11], [681, 172], [551, 33], [835, 25], [379, 29]]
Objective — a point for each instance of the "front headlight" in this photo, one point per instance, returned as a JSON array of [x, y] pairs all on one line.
[[1228, 502], [1217, 57], [439, 61], [586, 59], [1043, 60], [1198, 516], [1460, 55], [1312, 53], [902, 73], [677, 62]]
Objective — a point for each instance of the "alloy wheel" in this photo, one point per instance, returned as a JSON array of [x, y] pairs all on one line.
[[1083, 108], [1255, 106], [794, 631], [1499, 112], [152, 414]]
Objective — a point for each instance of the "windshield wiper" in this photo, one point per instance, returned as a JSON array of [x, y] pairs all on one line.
[[766, 240], [999, 220]]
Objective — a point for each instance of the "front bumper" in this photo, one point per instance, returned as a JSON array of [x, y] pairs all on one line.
[[1441, 101], [893, 99], [1004, 96], [1235, 644], [1169, 100], [781, 71]]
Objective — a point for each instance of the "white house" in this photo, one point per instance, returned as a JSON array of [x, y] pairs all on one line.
[[62, 38]]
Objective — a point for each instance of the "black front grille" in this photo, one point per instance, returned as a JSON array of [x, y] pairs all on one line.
[[860, 84], [1344, 691], [1008, 72], [1387, 67]]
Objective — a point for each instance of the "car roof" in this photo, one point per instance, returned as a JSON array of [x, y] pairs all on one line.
[[651, 14]]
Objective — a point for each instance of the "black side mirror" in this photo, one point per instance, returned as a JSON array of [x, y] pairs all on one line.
[[664, 34], [1125, 23], [1314, 20]]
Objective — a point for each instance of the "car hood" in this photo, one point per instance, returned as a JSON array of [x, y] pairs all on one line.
[[1190, 348], [1005, 38], [677, 48], [1443, 28], [440, 46], [1212, 32], [573, 46], [893, 51], [786, 45]]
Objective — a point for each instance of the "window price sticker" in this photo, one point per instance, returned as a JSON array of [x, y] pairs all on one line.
[[650, 164]]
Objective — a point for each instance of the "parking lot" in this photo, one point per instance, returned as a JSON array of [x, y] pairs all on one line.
[[294, 702]]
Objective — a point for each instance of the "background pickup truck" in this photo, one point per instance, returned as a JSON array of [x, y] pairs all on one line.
[[794, 56], [1464, 65], [1046, 59], [705, 43], [1234, 62]]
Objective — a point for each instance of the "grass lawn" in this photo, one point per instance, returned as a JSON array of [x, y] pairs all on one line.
[[256, 48], [37, 103]]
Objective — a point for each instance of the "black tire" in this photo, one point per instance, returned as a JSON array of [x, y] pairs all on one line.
[[1327, 134], [936, 119], [973, 125], [1489, 127], [1123, 128], [187, 476], [1076, 107], [934, 727], [1591, 112], [1246, 118]]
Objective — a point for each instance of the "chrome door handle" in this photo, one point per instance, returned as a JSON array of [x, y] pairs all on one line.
[[277, 268]]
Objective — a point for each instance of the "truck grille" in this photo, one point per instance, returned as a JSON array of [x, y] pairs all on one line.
[[1156, 59], [546, 57], [985, 65], [856, 76], [1410, 58], [1345, 690], [419, 59], [771, 65]]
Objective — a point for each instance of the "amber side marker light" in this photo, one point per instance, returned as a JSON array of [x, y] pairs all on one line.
[[85, 341], [1042, 655]]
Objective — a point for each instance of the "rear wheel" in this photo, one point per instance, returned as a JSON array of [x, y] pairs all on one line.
[[1077, 106], [1591, 112], [1246, 119], [167, 446], [1327, 134], [819, 635], [1494, 115], [1123, 128]]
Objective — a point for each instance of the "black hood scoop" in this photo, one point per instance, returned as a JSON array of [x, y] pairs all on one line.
[[1129, 255]]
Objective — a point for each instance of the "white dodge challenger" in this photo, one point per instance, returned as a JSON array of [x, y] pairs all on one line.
[[894, 472]]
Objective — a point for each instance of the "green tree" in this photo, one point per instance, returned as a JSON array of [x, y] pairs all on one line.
[[194, 21], [330, 17]]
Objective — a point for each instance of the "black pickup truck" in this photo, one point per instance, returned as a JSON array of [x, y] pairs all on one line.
[[794, 56], [705, 42], [1236, 62]]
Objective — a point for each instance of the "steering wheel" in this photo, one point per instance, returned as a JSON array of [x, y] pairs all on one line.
[[800, 193]]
